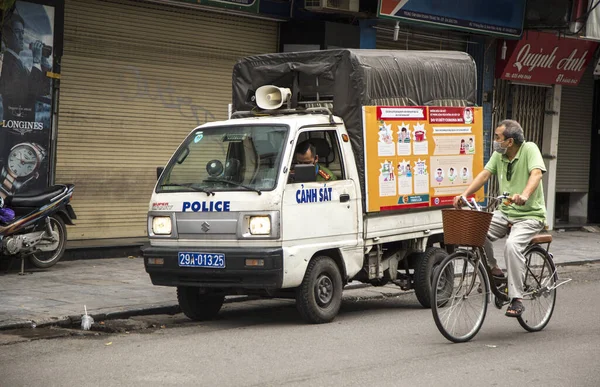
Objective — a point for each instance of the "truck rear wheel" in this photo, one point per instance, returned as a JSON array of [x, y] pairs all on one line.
[[319, 297], [199, 306], [424, 269]]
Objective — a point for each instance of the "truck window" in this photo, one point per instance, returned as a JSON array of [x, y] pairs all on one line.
[[327, 148], [227, 158]]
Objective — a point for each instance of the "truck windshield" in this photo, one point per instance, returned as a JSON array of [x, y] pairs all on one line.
[[226, 158]]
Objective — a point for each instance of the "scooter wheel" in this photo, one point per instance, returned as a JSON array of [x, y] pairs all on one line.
[[46, 259]]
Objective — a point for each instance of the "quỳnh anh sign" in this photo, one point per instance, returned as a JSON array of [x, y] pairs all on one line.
[[544, 58]]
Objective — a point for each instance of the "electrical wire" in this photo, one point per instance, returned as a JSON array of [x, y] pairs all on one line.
[[560, 26], [583, 19]]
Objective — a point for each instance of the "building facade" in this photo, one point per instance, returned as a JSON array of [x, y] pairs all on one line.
[[130, 78]]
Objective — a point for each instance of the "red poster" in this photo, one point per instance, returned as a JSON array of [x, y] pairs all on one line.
[[544, 58]]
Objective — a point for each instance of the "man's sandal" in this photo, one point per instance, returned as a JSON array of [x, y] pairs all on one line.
[[515, 309]]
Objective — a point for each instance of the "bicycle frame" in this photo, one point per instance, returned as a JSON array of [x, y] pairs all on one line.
[[480, 256]]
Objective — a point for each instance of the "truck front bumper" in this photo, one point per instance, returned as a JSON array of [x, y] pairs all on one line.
[[235, 275]]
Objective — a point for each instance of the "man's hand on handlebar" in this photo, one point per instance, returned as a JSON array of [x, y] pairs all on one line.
[[518, 199], [458, 202]]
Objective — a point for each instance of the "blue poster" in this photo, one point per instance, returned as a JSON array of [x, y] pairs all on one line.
[[496, 17]]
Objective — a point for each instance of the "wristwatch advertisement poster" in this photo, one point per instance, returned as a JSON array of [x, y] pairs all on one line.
[[26, 97]]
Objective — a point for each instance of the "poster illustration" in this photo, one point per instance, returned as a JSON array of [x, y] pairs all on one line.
[[404, 133], [26, 97], [386, 140], [421, 145], [387, 183], [405, 178], [436, 152]]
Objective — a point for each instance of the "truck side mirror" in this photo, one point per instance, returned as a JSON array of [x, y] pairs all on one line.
[[159, 171]]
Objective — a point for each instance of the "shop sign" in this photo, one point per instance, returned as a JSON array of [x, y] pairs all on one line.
[[543, 58], [237, 5], [493, 17]]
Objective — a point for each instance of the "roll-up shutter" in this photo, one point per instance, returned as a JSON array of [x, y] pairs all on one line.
[[417, 39], [136, 78], [573, 159]]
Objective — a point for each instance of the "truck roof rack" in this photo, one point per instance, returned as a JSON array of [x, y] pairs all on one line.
[[278, 112]]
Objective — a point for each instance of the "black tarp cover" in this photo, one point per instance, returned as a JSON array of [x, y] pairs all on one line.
[[356, 78]]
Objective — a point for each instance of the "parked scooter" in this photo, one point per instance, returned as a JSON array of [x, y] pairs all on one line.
[[38, 230]]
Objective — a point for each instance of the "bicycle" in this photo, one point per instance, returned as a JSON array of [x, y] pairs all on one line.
[[461, 283]]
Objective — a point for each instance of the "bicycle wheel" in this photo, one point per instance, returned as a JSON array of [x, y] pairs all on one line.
[[539, 294], [459, 297]]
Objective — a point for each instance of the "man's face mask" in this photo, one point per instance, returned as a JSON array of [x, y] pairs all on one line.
[[498, 147]]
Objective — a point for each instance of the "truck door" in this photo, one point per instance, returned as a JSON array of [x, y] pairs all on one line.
[[324, 212]]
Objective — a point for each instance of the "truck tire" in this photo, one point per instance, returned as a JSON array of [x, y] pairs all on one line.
[[319, 297], [424, 269], [197, 306]]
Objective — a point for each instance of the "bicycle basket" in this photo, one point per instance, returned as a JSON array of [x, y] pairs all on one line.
[[465, 227]]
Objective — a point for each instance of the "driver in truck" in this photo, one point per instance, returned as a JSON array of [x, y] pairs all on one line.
[[306, 153]]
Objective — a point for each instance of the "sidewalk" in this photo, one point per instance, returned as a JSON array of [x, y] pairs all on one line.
[[120, 287]]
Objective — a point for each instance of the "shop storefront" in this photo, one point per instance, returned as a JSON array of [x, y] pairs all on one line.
[[573, 175], [136, 78], [546, 84]]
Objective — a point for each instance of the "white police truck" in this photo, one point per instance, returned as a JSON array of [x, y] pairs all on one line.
[[233, 214]]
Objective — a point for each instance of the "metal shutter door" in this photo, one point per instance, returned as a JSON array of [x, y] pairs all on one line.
[[573, 159], [419, 40], [136, 78]]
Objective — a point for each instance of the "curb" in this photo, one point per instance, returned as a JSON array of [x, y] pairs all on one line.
[[172, 309], [68, 321], [578, 263], [169, 309]]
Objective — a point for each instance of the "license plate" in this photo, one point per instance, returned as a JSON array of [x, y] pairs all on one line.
[[213, 260]]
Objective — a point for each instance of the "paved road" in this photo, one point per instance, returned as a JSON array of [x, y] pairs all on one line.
[[385, 342]]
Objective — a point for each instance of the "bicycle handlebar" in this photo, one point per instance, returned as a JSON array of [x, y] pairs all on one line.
[[475, 206]]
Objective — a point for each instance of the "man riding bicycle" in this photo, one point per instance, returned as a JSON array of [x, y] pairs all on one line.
[[519, 167]]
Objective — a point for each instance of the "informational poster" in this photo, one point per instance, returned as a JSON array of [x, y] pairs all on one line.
[[420, 156], [25, 97]]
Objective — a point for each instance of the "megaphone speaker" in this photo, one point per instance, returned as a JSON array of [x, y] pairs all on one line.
[[271, 97]]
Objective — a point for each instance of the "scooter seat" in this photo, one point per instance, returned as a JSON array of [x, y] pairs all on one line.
[[34, 198]]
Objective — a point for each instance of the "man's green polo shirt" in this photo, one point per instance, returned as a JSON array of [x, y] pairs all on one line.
[[527, 159]]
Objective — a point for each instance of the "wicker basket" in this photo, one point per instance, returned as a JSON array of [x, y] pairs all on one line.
[[465, 227]]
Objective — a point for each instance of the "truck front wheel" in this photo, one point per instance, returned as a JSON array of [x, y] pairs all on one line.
[[319, 297], [198, 306]]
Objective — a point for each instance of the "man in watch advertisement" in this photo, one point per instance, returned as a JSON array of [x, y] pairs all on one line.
[[26, 96]]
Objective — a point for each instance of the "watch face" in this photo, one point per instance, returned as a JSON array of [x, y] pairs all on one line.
[[22, 160]]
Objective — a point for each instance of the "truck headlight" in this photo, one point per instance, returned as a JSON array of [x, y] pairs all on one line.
[[260, 225], [161, 225]]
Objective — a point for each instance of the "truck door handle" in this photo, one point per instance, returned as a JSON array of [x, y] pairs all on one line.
[[344, 198]]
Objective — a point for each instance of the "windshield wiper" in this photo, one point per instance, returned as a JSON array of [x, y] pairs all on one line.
[[190, 186], [235, 184]]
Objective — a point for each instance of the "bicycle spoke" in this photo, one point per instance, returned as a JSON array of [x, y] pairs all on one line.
[[540, 294], [459, 302]]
